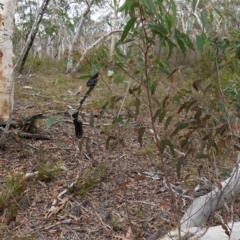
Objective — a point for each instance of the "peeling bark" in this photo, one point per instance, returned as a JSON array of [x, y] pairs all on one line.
[[6, 58]]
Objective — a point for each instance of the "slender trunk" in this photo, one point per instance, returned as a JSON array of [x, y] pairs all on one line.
[[76, 37], [113, 38], [57, 52], [49, 46], [60, 48], [6, 55], [31, 36], [6, 64]]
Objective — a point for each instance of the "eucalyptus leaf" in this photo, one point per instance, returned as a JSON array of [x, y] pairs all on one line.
[[153, 8], [50, 121], [158, 29], [156, 114], [156, 101], [181, 44], [86, 76], [199, 43], [128, 27], [170, 47], [170, 145], [202, 18], [165, 101], [117, 120], [219, 13], [169, 119], [180, 161], [174, 10], [211, 16], [137, 105], [162, 145], [141, 132], [179, 127], [161, 116], [194, 3]]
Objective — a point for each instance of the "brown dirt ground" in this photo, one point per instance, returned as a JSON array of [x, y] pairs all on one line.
[[128, 196]]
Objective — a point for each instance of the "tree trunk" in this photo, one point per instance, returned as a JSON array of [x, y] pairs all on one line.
[[6, 55], [76, 37], [212, 233], [31, 36], [113, 38], [204, 207]]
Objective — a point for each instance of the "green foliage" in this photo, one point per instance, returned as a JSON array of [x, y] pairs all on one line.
[[227, 52], [180, 126], [89, 179], [48, 172], [206, 122], [96, 58], [231, 88], [127, 28], [199, 41], [180, 161], [12, 194], [115, 224], [50, 121], [151, 39], [202, 67], [140, 135], [163, 27]]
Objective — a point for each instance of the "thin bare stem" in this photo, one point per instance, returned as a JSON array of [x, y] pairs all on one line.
[[146, 50]]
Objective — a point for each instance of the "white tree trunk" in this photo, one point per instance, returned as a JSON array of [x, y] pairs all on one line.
[[6, 57], [204, 207], [212, 233], [76, 37], [113, 38], [49, 46]]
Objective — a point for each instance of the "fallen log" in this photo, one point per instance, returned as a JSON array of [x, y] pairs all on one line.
[[204, 207], [212, 233], [35, 136]]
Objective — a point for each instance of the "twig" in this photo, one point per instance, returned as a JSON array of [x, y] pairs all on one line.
[[143, 202], [106, 226]]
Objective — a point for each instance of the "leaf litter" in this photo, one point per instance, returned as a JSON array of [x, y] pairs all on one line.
[[124, 202]]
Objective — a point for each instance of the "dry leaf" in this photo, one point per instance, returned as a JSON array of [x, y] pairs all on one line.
[[129, 234]]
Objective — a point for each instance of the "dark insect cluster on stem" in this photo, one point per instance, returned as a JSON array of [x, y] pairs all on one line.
[[91, 83], [93, 80]]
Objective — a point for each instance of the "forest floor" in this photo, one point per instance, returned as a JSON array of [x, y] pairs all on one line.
[[118, 190]]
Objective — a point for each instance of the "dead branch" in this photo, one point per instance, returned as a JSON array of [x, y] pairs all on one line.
[[36, 136], [205, 206]]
